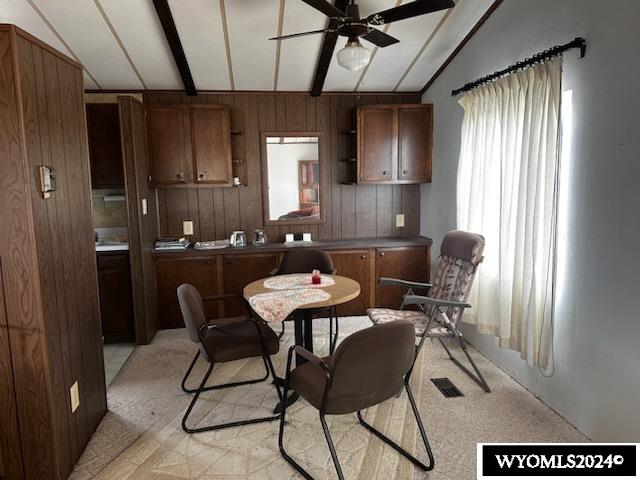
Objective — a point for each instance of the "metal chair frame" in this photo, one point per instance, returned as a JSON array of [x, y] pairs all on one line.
[[322, 412], [410, 298], [203, 388]]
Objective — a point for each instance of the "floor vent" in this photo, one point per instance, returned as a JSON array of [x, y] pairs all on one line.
[[447, 388]]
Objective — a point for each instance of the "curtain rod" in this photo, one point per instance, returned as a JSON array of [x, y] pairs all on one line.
[[577, 42]]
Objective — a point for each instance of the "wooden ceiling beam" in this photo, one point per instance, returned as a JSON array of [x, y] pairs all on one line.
[[171, 33], [326, 54]]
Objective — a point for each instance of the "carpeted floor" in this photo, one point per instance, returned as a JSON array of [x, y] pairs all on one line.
[[141, 438]]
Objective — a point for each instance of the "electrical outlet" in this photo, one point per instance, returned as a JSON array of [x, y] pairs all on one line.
[[75, 396], [187, 227], [400, 220], [145, 207]]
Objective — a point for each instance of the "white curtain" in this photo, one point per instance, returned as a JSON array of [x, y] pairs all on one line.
[[507, 191]]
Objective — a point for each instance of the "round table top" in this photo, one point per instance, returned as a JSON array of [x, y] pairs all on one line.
[[343, 291]]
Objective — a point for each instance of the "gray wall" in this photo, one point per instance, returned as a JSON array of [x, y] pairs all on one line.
[[597, 330]]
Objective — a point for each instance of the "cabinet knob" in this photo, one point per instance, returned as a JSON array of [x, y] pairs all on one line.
[[384, 172], [202, 174], [382, 254], [179, 176], [363, 256], [404, 172]]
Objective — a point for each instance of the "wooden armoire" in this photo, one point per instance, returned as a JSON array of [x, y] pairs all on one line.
[[50, 338]]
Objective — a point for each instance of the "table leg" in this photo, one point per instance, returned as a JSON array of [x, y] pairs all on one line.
[[303, 332]]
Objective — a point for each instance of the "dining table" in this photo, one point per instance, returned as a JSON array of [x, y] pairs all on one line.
[[280, 297]]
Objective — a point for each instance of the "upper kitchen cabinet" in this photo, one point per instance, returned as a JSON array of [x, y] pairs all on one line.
[[169, 134], [211, 134], [394, 143], [190, 145], [105, 154]]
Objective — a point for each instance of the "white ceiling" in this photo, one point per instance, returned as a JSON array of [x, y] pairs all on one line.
[[122, 46]]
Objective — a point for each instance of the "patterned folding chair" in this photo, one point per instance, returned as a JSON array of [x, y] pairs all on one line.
[[439, 314]]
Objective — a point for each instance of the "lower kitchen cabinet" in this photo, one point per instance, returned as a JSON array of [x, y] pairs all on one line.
[[355, 264], [240, 270], [223, 272], [406, 263], [201, 272], [116, 301]]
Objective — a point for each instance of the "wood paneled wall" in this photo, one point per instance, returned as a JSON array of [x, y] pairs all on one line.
[[351, 211], [48, 258]]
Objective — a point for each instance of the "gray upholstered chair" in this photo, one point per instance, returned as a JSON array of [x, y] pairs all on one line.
[[368, 367], [224, 340], [439, 313], [305, 260]]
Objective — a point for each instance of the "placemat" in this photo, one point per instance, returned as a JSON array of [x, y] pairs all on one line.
[[275, 307]]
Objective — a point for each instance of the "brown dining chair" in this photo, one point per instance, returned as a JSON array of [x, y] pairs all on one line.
[[224, 340], [368, 367], [439, 314], [305, 260]]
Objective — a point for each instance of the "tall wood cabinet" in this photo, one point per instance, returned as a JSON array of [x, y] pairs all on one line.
[[394, 143], [51, 320], [190, 145]]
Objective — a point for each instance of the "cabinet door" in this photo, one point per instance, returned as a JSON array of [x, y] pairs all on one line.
[[116, 301], [173, 272], [414, 143], [211, 134], [105, 154], [169, 145], [239, 271], [355, 264], [377, 140], [406, 263]]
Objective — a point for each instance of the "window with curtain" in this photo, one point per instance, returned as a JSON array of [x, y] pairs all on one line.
[[507, 191]]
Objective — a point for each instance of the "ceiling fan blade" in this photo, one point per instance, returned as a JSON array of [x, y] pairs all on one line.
[[301, 34], [379, 38], [409, 10], [325, 7]]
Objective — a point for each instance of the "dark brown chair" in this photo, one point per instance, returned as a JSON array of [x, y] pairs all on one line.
[[305, 260], [224, 340], [368, 367]]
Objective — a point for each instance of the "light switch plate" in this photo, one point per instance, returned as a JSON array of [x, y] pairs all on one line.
[[400, 220], [145, 207], [187, 227], [75, 396]]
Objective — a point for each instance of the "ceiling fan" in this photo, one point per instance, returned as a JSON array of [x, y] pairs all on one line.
[[349, 24]]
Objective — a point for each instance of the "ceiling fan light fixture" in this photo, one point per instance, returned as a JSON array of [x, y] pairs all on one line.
[[353, 56]]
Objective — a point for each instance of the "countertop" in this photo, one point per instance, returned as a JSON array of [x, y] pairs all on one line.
[[353, 243], [119, 247]]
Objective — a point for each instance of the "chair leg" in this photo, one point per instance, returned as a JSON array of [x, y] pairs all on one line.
[[478, 378], [201, 388], [291, 461], [332, 449], [333, 334], [397, 447], [283, 452], [217, 387], [281, 334]]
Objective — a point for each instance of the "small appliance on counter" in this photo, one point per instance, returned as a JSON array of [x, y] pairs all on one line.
[[293, 239], [238, 239], [260, 238]]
